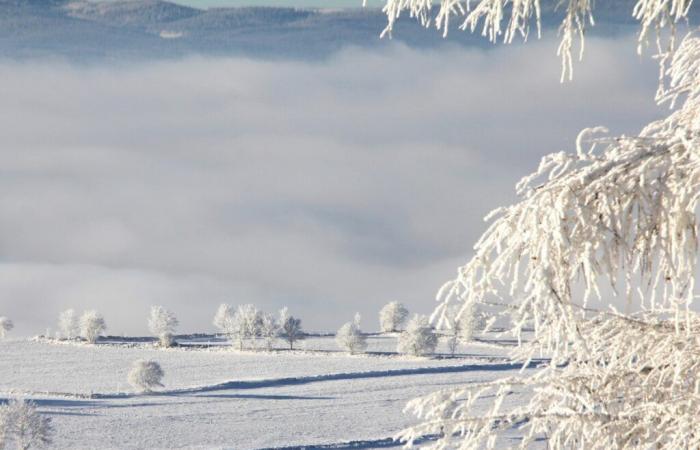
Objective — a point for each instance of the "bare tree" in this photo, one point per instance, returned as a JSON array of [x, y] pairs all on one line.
[[291, 328]]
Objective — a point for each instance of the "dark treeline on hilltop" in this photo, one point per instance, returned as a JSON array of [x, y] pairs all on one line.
[[114, 30]]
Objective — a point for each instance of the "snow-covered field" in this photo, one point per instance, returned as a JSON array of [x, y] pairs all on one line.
[[215, 397]]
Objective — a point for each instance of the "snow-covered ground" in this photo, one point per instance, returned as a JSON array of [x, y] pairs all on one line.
[[219, 398]]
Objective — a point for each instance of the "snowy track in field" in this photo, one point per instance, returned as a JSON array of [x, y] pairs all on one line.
[[293, 381], [280, 382]]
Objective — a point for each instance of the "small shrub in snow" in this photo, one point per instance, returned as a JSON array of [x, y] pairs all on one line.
[[419, 338], [68, 326], [145, 375], [92, 325], [162, 324], [22, 425], [6, 325], [222, 316], [291, 330], [349, 337], [392, 317]]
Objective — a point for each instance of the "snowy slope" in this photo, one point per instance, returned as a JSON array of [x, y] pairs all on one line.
[[103, 368], [219, 398]]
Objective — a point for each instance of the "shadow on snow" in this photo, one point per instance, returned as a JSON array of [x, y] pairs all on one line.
[[294, 381]]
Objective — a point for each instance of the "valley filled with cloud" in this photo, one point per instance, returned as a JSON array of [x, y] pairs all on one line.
[[331, 185]]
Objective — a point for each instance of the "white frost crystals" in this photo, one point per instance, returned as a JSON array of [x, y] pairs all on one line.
[[350, 338], [223, 313], [419, 338], [23, 426], [518, 15], [621, 210], [92, 325], [462, 327], [145, 375], [392, 317], [243, 325], [68, 325], [269, 329], [162, 324]]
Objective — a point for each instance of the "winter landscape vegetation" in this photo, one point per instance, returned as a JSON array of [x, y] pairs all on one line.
[[226, 227]]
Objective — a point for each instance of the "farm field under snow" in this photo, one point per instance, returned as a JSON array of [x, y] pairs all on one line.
[[219, 398]]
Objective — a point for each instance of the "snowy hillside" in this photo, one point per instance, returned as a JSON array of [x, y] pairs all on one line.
[[85, 30], [220, 398]]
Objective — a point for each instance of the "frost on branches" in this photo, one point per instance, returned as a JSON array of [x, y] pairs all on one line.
[[23, 427], [162, 324], [418, 339], [617, 212], [68, 325], [392, 317], [269, 329], [92, 325], [350, 338], [222, 316], [507, 19], [145, 375], [243, 325], [462, 327]]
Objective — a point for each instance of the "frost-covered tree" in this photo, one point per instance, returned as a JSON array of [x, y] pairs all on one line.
[[223, 314], [92, 325], [269, 329], [507, 19], [145, 375], [243, 325], [68, 325], [23, 427], [616, 210], [419, 339], [392, 317], [6, 326], [350, 338], [162, 324], [291, 330], [460, 328]]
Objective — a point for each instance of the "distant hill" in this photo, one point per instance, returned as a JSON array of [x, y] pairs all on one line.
[[113, 30]]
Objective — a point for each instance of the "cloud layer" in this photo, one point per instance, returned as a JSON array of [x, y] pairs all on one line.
[[331, 187]]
